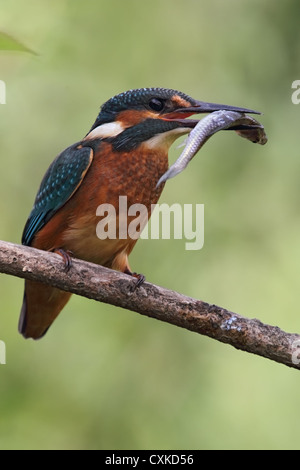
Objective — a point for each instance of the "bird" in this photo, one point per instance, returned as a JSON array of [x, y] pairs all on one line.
[[124, 153]]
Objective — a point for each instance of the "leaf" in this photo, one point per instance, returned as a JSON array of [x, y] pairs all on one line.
[[7, 43]]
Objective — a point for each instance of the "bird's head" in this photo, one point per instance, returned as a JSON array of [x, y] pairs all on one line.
[[151, 116]]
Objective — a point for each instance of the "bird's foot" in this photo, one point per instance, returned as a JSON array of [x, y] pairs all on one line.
[[140, 279], [66, 256]]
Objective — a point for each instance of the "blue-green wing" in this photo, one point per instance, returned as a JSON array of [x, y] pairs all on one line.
[[61, 180]]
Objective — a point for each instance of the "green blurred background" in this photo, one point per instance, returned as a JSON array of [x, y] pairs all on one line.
[[105, 378]]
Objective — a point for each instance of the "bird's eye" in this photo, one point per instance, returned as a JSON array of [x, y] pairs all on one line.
[[156, 104]]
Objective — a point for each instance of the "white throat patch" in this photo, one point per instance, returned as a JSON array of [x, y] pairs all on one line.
[[166, 139]]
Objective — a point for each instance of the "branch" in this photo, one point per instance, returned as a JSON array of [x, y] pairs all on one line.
[[105, 285]]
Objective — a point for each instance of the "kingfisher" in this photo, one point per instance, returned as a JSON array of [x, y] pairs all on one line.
[[124, 153]]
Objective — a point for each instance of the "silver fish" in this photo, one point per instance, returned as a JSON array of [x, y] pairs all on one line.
[[244, 125]]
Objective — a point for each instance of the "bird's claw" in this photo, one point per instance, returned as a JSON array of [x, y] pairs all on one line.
[[66, 256], [140, 279]]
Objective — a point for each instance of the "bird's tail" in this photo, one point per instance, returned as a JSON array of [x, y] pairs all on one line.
[[41, 305]]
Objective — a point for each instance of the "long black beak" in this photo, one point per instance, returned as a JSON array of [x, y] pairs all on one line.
[[202, 107]]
